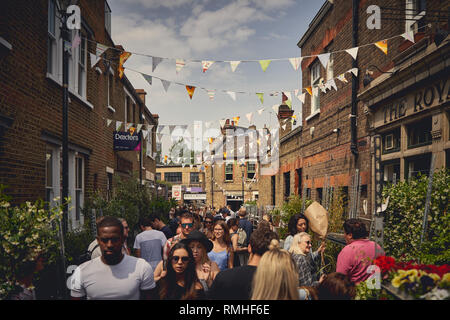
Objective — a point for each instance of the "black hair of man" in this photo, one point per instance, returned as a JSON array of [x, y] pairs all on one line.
[[356, 228], [145, 222], [110, 222], [260, 240], [187, 215]]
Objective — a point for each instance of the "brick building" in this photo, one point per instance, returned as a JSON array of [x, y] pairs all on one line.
[[328, 148], [31, 106], [233, 177], [190, 182]]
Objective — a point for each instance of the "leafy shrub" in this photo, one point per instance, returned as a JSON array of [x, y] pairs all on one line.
[[27, 232], [404, 218]]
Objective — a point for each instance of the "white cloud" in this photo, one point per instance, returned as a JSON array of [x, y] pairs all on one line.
[[153, 4]]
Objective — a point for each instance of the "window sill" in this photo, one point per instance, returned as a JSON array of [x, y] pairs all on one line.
[[111, 109], [312, 115], [76, 95]]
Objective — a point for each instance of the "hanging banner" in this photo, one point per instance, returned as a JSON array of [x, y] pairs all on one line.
[[190, 90], [123, 57], [125, 141]]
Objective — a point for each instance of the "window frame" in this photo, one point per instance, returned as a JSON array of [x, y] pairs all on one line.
[[412, 17], [227, 170], [315, 100], [251, 171]]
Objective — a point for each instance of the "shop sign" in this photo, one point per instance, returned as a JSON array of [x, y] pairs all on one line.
[[425, 98], [194, 196], [126, 141]]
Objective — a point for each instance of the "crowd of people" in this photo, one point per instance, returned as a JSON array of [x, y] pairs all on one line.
[[201, 254]]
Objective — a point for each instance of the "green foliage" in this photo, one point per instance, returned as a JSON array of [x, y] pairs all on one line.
[[76, 242], [251, 202], [27, 232], [288, 209], [404, 219]]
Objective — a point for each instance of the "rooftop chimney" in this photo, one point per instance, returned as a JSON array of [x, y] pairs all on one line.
[[141, 93]]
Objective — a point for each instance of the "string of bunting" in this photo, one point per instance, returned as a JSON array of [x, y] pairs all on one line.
[[264, 63]]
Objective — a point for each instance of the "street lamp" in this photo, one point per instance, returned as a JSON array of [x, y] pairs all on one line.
[[242, 165]]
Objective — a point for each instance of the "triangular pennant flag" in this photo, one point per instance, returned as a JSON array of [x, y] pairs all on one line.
[[353, 52], [94, 59], [159, 136], [171, 128], [108, 122], [264, 64], [123, 57], [309, 90], [100, 49], [190, 90], [147, 78], [179, 64], [206, 65], [341, 77], [295, 62], [234, 65], [128, 126], [232, 95], [165, 84], [260, 96], [324, 58], [118, 125], [150, 127], [211, 94], [155, 62], [222, 122], [138, 128], [260, 111], [382, 45], [301, 97], [354, 71], [333, 84], [288, 101], [161, 128], [249, 117], [144, 133], [67, 45], [315, 91], [409, 35], [236, 120], [76, 41], [296, 91]]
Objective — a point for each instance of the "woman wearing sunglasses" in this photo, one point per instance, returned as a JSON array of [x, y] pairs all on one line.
[[180, 281], [307, 262], [222, 252], [205, 268]]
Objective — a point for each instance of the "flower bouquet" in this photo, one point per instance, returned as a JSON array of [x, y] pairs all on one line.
[[416, 281]]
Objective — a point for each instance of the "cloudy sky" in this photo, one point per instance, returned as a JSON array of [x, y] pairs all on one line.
[[214, 30]]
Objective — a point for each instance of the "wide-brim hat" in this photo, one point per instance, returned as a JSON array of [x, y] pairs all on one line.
[[200, 237]]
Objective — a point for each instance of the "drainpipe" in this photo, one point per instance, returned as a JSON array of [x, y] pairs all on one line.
[[353, 146]]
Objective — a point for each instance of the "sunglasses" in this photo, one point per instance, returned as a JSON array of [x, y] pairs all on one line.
[[308, 242], [184, 259], [208, 222], [187, 225]]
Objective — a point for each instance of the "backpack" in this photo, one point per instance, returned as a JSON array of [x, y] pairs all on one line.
[[242, 237], [86, 256]]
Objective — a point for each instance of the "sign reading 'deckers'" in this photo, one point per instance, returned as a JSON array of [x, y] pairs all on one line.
[[126, 141]]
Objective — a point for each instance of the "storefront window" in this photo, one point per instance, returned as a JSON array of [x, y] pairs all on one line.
[[417, 165], [419, 133], [391, 141], [391, 171]]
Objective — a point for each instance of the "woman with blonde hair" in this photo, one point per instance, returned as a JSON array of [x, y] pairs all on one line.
[[306, 261], [276, 276]]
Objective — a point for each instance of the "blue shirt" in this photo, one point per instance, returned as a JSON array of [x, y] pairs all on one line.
[[221, 258]]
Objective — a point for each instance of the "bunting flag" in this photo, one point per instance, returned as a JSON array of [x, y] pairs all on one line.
[[222, 122], [138, 128], [275, 108], [288, 100], [100, 49], [211, 94], [341, 77], [155, 62], [128, 126], [409, 35], [147, 78], [234, 65], [309, 90], [284, 127], [179, 64], [232, 95], [264, 64], [382, 45], [118, 125], [123, 57], [190, 90], [249, 117], [260, 111], [206, 65], [236, 120], [296, 62], [144, 133], [301, 97], [260, 96], [171, 128], [94, 59], [159, 136], [353, 52], [165, 84], [354, 71], [333, 84], [225, 155], [315, 91], [324, 58], [108, 122], [161, 128], [76, 41]]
